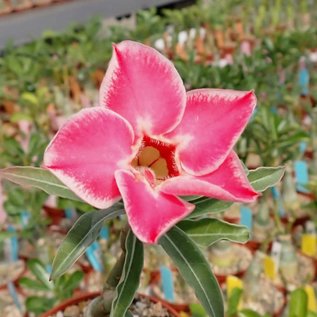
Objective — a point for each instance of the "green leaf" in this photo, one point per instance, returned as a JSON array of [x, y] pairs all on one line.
[[264, 177], [39, 178], [298, 303], [38, 270], [33, 284], [197, 310], [38, 304], [205, 232], [6, 235], [130, 278], [195, 269], [233, 301], [83, 233], [73, 280], [209, 205], [248, 313]]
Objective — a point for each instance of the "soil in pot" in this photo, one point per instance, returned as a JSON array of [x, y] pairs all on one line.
[[7, 306], [11, 272], [142, 306]]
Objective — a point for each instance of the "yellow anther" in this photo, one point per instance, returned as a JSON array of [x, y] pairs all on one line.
[[148, 156], [160, 168]]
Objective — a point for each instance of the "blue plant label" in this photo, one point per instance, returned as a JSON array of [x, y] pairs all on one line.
[[71, 213], [167, 283], [246, 217], [14, 246], [25, 218], [301, 174], [277, 197], [302, 146], [13, 293], [93, 254], [48, 268], [304, 81], [104, 233]]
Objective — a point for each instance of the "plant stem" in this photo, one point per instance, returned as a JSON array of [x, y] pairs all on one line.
[[101, 306]]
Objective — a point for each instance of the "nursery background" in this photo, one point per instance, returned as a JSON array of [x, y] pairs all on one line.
[[53, 58]]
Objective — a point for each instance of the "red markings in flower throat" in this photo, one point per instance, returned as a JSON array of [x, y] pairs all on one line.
[[158, 156]]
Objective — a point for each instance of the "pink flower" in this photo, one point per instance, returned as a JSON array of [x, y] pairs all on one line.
[[150, 142]]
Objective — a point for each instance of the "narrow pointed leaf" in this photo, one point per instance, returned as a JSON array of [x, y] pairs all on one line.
[[38, 270], [32, 284], [264, 177], [248, 313], [195, 269], [130, 278], [39, 178], [83, 233], [209, 205], [205, 232]]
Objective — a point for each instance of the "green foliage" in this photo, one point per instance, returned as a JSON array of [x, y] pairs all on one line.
[[130, 278], [195, 269], [83, 233], [206, 232], [51, 292], [39, 178], [298, 303]]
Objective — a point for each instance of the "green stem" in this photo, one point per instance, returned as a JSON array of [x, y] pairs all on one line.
[[101, 306]]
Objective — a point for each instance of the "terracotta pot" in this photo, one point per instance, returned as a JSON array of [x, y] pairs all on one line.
[[253, 246], [89, 296], [55, 214]]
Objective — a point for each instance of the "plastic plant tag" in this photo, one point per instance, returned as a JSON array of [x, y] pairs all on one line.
[[302, 146], [94, 256], [280, 206], [312, 304], [71, 213], [276, 254], [12, 246], [310, 227], [233, 282], [246, 217], [273, 109], [104, 233], [48, 268], [301, 173], [25, 218], [269, 267], [304, 81], [167, 283], [14, 295], [309, 244]]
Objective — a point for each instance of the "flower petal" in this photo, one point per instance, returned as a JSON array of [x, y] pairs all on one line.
[[228, 182], [213, 121], [86, 151], [150, 213], [144, 87]]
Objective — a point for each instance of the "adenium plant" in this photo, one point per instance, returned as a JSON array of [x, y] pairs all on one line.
[[159, 155]]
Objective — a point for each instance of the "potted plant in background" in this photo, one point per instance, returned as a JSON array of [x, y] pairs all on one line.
[[149, 143]]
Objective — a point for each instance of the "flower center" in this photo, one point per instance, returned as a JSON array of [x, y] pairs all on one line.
[[158, 156]]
